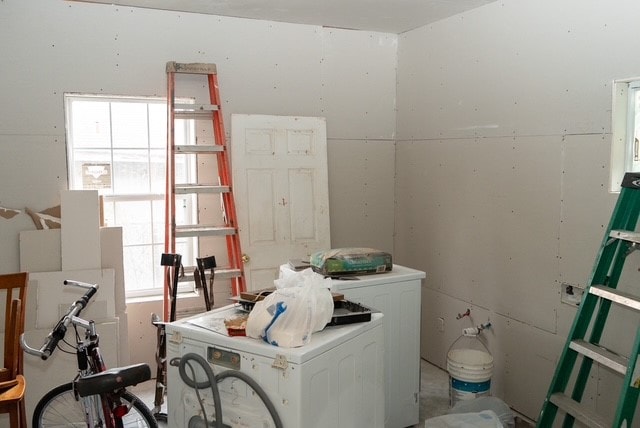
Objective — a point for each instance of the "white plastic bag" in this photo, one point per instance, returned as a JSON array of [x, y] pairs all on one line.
[[496, 405], [484, 419], [300, 305]]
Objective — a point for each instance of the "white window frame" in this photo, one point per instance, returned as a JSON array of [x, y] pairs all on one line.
[[623, 129], [187, 248]]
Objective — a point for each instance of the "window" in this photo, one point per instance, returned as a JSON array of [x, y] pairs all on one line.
[[117, 145], [625, 126]]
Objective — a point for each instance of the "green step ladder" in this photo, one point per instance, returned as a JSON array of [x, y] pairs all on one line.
[[619, 241]]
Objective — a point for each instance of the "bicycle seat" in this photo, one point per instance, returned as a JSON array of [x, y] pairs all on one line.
[[112, 379]]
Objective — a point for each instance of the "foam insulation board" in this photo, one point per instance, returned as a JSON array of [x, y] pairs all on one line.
[[80, 232], [31, 316], [53, 296], [9, 236], [40, 250], [111, 257], [111, 254]]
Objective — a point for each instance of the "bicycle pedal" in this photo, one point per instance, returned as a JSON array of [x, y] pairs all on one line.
[[161, 417]]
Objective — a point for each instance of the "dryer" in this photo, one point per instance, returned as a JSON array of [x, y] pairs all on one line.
[[397, 295]]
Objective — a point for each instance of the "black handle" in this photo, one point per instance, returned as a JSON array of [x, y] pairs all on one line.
[[56, 336]]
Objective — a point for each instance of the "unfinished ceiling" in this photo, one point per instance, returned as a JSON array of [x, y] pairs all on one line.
[[389, 16]]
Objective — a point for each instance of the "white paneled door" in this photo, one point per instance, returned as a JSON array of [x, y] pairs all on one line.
[[280, 186]]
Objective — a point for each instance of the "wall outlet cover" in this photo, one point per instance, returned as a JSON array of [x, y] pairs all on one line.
[[571, 294]]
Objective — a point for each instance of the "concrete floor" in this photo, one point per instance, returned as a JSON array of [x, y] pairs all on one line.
[[434, 395], [434, 392]]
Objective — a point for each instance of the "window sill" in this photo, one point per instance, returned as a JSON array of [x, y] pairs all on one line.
[[158, 298]]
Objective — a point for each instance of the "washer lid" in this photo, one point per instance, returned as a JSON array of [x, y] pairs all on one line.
[[398, 274], [209, 328]]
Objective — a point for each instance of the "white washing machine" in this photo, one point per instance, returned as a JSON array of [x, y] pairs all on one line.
[[336, 380]]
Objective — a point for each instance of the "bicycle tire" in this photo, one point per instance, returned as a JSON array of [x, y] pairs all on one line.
[[59, 408]]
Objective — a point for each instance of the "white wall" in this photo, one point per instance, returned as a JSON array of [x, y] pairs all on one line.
[[52, 47], [502, 167]]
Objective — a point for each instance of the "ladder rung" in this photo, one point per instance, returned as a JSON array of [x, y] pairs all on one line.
[[625, 235], [190, 68], [601, 355], [199, 148], [220, 273], [193, 114], [196, 230], [196, 107], [616, 296], [579, 411], [185, 189]]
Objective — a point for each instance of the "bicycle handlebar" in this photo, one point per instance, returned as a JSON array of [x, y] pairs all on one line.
[[60, 330], [91, 290]]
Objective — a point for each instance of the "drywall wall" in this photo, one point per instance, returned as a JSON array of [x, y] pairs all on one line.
[[52, 47], [502, 166]]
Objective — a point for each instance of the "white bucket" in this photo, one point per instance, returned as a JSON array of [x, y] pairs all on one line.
[[470, 373]]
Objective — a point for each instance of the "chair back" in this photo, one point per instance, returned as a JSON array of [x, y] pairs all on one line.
[[12, 351], [14, 286]]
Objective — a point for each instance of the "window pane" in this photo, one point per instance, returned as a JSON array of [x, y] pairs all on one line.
[[129, 124], [185, 209], [92, 170], [90, 124], [138, 272], [185, 246], [158, 270], [633, 150], [135, 219], [158, 220], [637, 125], [130, 172], [158, 125], [180, 130], [158, 160]]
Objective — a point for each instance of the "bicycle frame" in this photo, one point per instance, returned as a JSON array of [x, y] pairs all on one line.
[[99, 392], [90, 362]]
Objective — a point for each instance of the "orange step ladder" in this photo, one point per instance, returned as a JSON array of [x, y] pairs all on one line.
[[204, 152]]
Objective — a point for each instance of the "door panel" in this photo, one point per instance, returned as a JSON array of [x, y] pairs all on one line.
[[280, 186]]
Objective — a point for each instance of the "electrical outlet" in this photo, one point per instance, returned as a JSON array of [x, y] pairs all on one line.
[[571, 294], [440, 324]]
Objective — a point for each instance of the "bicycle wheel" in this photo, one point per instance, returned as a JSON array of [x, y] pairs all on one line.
[[59, 408]]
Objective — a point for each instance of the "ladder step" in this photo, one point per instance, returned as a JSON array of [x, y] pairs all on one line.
[[616, 296], [220, 273], [579, 411], [190, 68], [198, 230], [601, 355], [625, 235], [196, 107], [197, 115], [187, 189], [199, 148]]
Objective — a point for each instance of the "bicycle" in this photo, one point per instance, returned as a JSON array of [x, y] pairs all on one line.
[[97, 397]]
